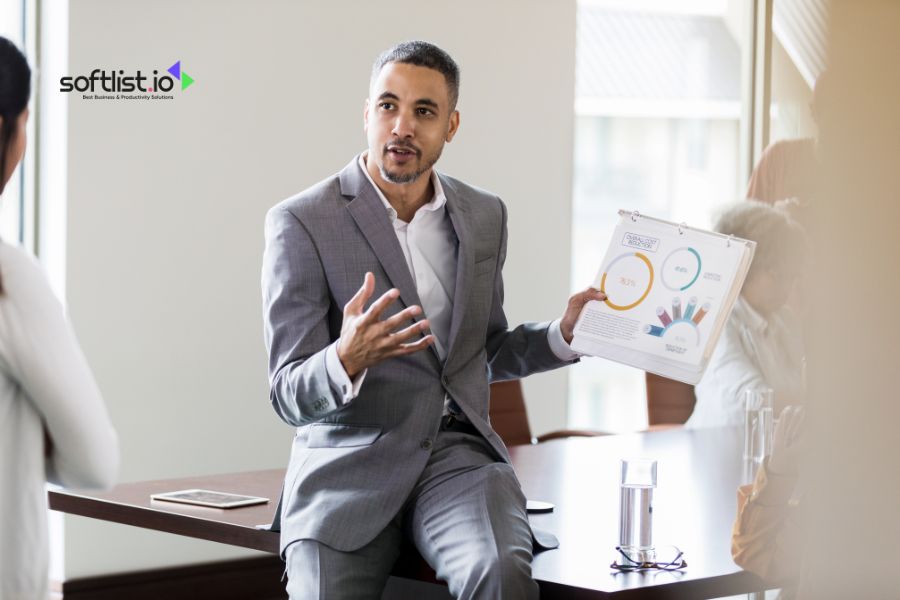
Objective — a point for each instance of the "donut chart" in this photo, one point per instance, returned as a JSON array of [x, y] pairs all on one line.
[[681, 269], [627, 280]]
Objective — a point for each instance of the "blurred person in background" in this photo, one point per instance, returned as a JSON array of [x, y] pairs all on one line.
[[787, 170], [53, 423], [767, 536], [762, 343]]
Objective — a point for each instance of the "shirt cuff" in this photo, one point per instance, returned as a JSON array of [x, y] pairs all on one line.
[[340, 382], [558, 344]]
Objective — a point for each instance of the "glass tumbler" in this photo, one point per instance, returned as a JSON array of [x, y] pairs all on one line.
[[636, 509], [758, 424]]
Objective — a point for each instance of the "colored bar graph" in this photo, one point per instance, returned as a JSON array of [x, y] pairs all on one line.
[[654, 330], [663, 315], [676, 308], [701, 313], [689, 310]]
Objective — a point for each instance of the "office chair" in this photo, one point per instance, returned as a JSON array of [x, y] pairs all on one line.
[[669, 402], [509, 417]]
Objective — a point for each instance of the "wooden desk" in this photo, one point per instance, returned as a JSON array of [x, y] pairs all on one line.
[[695, 504]]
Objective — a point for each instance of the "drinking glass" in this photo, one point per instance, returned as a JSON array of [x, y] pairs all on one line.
[[758, 424], [636, 509]]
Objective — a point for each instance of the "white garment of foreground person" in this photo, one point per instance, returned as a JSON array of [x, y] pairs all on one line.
[[44, 382]]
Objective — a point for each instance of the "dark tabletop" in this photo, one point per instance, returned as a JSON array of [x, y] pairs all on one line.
[[694, 507]]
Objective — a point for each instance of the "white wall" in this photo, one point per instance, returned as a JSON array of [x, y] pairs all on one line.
[[166, 202]]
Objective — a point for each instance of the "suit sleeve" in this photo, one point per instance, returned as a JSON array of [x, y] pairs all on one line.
[[516, 353], [296, 301]]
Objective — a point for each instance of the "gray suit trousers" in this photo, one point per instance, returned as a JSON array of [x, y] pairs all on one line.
[[466, 516]]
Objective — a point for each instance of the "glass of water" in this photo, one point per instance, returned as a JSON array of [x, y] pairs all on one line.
[[758, 424], [636, 509]]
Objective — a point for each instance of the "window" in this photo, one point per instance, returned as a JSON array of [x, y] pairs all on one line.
[[798, 58], [15, 206], [662, 90]]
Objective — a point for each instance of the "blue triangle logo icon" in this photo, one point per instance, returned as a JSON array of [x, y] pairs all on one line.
[[175, 70]]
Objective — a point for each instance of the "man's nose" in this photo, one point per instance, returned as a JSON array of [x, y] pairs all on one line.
[[404, 126]]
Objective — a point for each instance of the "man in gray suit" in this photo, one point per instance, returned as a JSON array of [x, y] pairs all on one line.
[[390, 398]]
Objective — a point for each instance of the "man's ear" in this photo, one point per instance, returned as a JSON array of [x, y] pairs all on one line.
[[366, 116], [454, 126]]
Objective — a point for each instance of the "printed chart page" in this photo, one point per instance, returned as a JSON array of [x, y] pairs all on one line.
[[669, 291]]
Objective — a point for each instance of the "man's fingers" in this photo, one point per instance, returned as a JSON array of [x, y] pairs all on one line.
[[582, 298], [409, 332], [374, 311], [393, 322], [359, 299], [414, 346], [593, 294]]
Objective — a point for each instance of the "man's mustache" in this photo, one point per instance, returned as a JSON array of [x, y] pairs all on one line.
[[402, 144]]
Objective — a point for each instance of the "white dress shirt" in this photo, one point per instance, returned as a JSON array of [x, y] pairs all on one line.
[[754, 352], [429, 245], [45, 381]]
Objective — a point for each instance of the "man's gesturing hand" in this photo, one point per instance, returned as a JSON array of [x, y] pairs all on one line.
[[366, 341], [576, 303]]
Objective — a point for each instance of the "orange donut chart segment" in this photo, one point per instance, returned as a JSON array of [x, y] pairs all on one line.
[[615, 306]]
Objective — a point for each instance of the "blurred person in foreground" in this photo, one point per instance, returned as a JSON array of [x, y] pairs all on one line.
[[851, 483], [762, 344], [53, 423]]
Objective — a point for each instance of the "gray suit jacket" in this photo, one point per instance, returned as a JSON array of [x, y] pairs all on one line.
[[352, 467]]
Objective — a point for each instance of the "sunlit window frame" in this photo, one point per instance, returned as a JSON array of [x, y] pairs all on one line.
[[24, 182]]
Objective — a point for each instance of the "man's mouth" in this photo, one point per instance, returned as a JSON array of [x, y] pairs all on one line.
[[401, 153]]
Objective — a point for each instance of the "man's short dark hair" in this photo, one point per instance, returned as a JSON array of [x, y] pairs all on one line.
[[422, 54]]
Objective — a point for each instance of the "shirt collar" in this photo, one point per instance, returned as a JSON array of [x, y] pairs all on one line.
[[436, 203]]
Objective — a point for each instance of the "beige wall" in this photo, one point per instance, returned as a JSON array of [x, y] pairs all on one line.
[[166, 203]]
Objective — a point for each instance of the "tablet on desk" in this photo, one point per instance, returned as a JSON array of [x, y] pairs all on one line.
[[209, 498]]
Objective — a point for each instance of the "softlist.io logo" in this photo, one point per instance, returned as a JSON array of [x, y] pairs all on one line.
[[121, 85]]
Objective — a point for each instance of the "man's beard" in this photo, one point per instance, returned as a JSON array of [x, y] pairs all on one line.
[[403, 178]]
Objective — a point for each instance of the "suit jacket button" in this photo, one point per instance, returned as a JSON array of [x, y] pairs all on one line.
[[426, 444], [445, 380]]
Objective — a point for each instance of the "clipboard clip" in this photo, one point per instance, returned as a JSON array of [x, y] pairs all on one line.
[[728, 241], [681, 228], [635, 215]]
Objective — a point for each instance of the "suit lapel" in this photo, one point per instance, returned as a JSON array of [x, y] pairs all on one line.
[[372, 219], [456, 208]]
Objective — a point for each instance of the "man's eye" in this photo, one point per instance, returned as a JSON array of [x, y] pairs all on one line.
[[425, 111], [386, 105]]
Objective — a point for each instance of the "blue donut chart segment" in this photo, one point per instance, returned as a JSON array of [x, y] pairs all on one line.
[[666, 272]]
